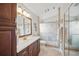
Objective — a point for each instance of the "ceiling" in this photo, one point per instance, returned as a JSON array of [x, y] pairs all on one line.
[[43, 8]]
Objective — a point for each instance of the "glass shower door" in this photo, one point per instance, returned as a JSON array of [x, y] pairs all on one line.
[[72, 31], [74, 38]]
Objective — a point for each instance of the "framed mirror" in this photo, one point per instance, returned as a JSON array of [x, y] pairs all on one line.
[[24, 24]]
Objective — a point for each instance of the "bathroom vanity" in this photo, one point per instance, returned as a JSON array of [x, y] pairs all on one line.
[[28, 47], [27, 43]]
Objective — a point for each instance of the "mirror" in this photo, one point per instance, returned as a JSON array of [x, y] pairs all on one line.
[[24, 23]]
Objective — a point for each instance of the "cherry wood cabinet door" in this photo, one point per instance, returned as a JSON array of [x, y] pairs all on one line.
[[5, 43], [31, 49], [34, 48], [7, 29]]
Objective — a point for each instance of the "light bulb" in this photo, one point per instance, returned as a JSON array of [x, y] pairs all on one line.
[[26, 14], [19, 10]]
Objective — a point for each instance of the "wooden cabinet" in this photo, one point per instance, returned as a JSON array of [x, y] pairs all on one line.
[[24, 52], [36, 48], [31, 50], [5, 43], [7, 29]]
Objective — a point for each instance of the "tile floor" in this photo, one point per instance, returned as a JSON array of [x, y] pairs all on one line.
[[49, 51], [52, 51], [71, 53]]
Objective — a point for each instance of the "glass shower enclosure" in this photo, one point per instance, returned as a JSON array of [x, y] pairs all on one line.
[[72, 30]]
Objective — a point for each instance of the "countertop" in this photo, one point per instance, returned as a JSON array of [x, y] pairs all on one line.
[[21, 44]]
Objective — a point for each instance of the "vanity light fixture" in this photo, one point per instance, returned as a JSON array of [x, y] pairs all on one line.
[[19, 10], [26, 14]]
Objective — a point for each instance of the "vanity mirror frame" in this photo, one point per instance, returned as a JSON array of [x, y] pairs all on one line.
[[24, 18]]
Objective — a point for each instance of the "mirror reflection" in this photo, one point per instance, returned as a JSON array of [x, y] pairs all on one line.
[[24, 23]]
